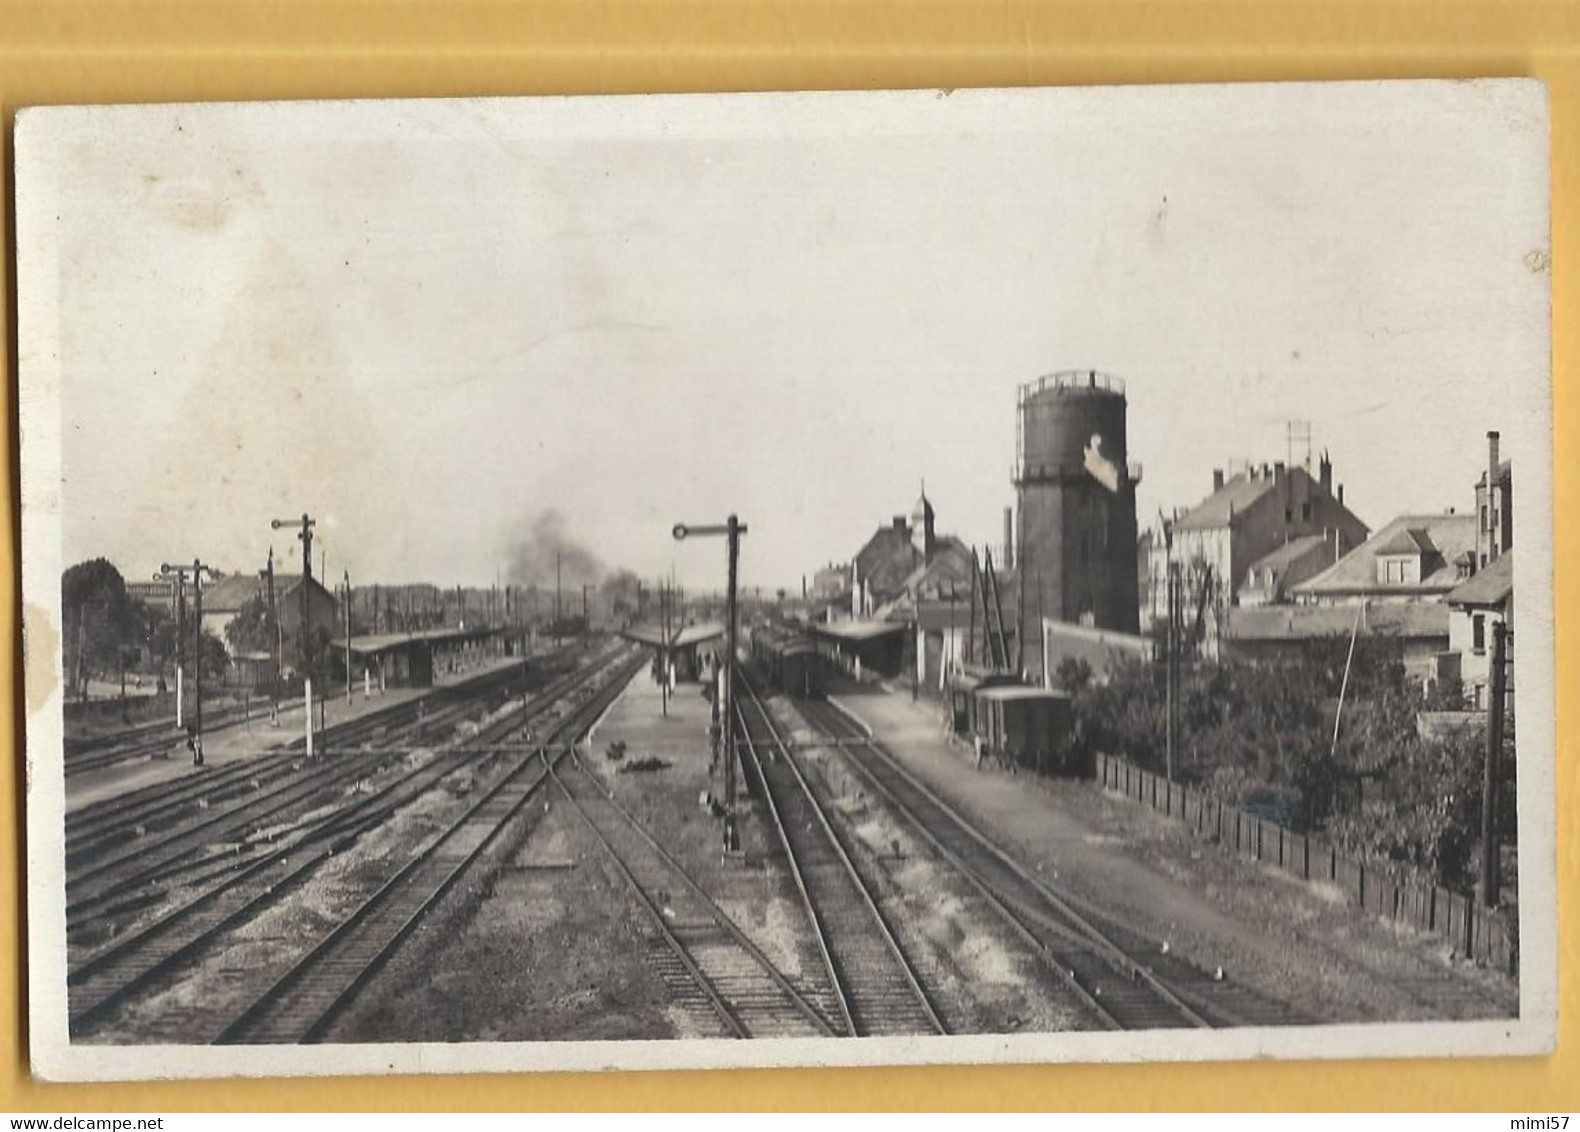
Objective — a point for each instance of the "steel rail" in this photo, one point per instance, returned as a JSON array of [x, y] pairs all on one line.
[[1110, 953], [270, 1013], [717, 914], [292, 788], [135, 805], [848, 868], [245, 815], [330, 837]]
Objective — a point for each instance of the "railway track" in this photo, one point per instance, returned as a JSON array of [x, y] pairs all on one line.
[[98, 752], [1121, 976], [709, 963], [177, 938], [303, 1003], [95, 831], [879, 989], [114, 873], [149, 801]]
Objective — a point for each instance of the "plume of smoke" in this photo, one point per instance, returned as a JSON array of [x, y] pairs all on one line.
[[619, 593], [540, 545]]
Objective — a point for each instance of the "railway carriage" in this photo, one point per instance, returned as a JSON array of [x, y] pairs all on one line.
[[1023, 726], [963, 689], [788, 660]]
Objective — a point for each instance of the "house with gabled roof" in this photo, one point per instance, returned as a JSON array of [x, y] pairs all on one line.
[[1247, 517], [1476, 608], [225, 598], [1412, 558]]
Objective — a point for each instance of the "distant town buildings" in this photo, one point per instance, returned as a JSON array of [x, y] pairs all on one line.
[[225, 599], [1271, 560], [1259, 533], [898, 557], [1475, 608], [1435, 584], [1411, 558]]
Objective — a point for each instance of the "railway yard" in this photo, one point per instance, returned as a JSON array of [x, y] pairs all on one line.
[[532, 851]]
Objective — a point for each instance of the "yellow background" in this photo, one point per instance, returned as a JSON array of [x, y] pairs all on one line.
[[123, 51]]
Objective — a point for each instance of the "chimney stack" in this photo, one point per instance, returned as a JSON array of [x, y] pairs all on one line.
[[1325, 472], [1217, 479], [1492, 496], [1341, 495], [1009, 538], [1278, 471]]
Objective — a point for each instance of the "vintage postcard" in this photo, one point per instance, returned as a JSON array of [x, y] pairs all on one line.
[[784, 579]]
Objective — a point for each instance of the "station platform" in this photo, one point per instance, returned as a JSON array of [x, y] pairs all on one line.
[[1040, 819], [244, 739], [668, 799], [1261, 925], [639, 719]]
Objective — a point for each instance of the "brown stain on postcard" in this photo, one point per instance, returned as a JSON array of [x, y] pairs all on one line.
[[40, 642]]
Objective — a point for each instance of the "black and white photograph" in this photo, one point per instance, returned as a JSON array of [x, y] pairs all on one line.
[[697, 581]]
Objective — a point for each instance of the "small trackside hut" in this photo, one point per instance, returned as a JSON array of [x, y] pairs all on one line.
[[1021, 726]]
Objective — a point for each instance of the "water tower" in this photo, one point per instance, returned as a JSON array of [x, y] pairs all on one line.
[[1077, 502]]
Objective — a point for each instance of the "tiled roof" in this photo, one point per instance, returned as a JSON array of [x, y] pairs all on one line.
[[886, 559], [1233, 497], [1489, 587], [1291, 551], [1409, 619], [1407, 540], [230, 593], [1449, 536]]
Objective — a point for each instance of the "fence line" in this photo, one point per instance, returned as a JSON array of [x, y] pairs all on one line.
[[1484, 935]]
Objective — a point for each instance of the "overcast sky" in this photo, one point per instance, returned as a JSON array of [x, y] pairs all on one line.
[[429, 323]]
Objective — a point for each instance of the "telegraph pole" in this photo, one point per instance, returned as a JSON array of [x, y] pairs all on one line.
[[180, 574], [732, 529], [347, 574], [586, 620], [279, 643], [304, 635], [1170, 650], [663, 649], [1491, 865], [556, 597]]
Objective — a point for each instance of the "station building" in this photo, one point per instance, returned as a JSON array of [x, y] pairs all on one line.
[[228, 596]]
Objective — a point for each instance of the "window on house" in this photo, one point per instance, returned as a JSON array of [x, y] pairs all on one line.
[[1478, 633], [1484, 525], [1289, 514], [1305, 510]]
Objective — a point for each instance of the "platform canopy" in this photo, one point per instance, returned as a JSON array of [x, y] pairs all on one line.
[[370, 644], [855, 632], [686, 636]]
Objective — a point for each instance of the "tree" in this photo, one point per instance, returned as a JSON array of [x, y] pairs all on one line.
[[214, 658], [100, 619], [1261, 733], [1072, 675], [1426, 813], [252, 629]]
